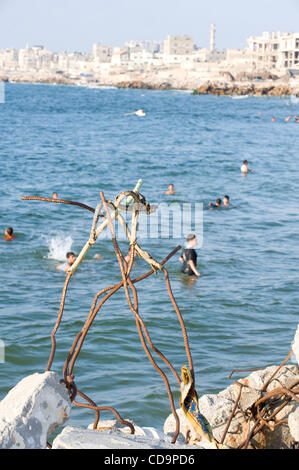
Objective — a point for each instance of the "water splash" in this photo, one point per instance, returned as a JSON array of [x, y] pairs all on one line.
[[58, 246], [294, 99]]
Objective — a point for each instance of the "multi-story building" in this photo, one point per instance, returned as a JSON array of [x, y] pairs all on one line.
[[102, 53], [289, 51], [120, 56], [9, 59], [275, 50], [178, 45]]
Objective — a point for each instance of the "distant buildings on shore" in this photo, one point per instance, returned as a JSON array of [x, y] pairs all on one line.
[[272, 52]]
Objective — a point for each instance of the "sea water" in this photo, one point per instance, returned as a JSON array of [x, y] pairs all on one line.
[[241, 313]]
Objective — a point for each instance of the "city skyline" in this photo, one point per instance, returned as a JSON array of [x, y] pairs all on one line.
[[74, 26]]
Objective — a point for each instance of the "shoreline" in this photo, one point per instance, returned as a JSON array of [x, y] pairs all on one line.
[[270, 87]]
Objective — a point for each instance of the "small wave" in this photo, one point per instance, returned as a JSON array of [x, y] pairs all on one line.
[[58, 246], [106, 87]]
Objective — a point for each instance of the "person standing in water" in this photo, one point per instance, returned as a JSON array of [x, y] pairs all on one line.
[[70, 259], [244, 168], [189, 257], [8, 234]]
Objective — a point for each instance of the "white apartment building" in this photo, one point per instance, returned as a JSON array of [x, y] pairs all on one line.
[[35, 58], [120, 56], [9, 59], [289, 51], [275, 50]]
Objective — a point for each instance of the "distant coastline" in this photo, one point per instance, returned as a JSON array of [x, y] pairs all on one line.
[[268, 87]]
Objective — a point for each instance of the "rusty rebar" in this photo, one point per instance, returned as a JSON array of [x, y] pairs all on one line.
[[240, 370], [59, 201], [60, 313], [232, 413], [183, 328], [139, 321], [109, 291], [264, 387]]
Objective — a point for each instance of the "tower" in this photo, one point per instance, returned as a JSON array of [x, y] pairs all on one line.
[[212, 37]]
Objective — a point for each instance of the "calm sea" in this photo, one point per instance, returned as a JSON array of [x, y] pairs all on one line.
[[242, 312]]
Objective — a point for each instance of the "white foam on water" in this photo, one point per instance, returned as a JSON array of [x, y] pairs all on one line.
[[58, 246], [294, 99]]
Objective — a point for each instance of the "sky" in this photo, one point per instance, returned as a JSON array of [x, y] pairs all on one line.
[[74, 25]]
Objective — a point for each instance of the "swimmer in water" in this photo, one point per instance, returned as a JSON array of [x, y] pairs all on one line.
[[226, 201], [287, 118], [244, 168], [217, 203], [273, 119], [189, 257], [70, 259], [128, 256], [8, 234], [55, 196], [170, 189]]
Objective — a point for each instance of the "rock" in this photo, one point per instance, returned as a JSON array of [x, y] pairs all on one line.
[[242, 89], [293, 423], [138, 84], [295, 346], [32, 410], [115, 426], [78, 438], [218, 409]]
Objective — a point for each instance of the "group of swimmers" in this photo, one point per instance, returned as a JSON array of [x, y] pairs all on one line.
[[189, 255], [287, 119]]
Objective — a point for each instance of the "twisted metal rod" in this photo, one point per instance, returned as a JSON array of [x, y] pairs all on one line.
[[139, 321], [93, 311], [184, 331], [125, 270], [59, 201], [56, 326]]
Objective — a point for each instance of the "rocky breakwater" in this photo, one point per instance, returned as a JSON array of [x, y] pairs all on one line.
[[260, 411], [242, 89], [138, 84]]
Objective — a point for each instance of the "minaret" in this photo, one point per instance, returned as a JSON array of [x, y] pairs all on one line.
[[212, 38]]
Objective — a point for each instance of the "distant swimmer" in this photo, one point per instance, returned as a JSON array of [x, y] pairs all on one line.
[[287, 118], [8, 234], [273, 119], [226, 201], [55, 196], [139, 112], [216, 204], [70, 259], [244, 168], [170, 189], [189, 257], [296, 118], [98, 256], [128, 256]]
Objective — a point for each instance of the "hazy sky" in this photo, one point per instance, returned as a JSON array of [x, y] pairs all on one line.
[[76, 24]]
